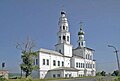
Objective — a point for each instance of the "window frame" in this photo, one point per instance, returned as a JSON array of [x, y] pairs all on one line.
[[54, 63], [43, 61], [58, 63], [62, 63], [47, 61]]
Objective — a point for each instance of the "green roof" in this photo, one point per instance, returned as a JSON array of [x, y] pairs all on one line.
[[81, 33]]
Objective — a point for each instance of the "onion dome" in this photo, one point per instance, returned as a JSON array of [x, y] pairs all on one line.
[[81, 32], [62, 12]]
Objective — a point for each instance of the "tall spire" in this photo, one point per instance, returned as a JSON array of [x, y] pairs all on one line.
[[63, 36], [81, 32], [81, 40]]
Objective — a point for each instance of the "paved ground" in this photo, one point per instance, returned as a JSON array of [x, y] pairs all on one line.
[[87, 79]]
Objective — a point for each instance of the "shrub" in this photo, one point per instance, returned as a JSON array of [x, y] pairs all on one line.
[[2, 78]]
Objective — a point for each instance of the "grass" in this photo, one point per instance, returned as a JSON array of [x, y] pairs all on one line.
[[30, 79], [98, 78]]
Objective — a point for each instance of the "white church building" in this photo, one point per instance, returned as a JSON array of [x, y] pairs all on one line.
[[65, 61]]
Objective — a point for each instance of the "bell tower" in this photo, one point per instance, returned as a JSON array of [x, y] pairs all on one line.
[[81, 39], [63, 46]]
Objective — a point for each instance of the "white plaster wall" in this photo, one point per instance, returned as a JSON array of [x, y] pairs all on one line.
[[81, 73], [67, 50], [79, 60], [56, 58], [55, 73], [66, 62], [52, 57], [72, 62], [44, 56], [44, 68], [42, 74], [78, 52], [73, 73], [60, 47]]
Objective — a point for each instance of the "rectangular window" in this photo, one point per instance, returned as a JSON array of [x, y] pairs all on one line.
[[36, 62], [54, 75], [58, 75], [79, 65], [54, 63], [69, 75], [68, 38], [86, 65], [43, 61], [65, 75], [93, 66], [62, 63], [58, 63], [83, 65], [47, 61], [90, 65], [76, 64]]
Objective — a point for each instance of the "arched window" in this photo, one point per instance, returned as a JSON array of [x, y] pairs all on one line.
[[79, 43], [68, 38], [64, 38], [82, 43], [59, 37], [63, 27], [60, 27]]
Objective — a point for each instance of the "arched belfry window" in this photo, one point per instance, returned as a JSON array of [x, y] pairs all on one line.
[[60, 27], [82, 43], [79, 43], [59, 37], [64, 38], [63, 27], [68, 38]]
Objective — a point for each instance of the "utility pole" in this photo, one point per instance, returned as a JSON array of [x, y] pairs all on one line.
[[116, 52]]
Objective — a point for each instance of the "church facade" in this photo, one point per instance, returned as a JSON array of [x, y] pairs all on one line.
[[65, 61]]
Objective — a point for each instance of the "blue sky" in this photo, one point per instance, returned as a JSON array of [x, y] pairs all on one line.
[[39, 20]]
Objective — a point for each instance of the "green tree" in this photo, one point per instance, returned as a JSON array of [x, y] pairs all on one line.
[[103, 73], [28, 56], [98, 74], [2, 78], [116, 73]]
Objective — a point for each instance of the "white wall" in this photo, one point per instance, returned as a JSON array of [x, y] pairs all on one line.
[[66, 62], [72, 73], [51, 57], [77, 60], [59, 47], [68, 50], [79, 52]]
